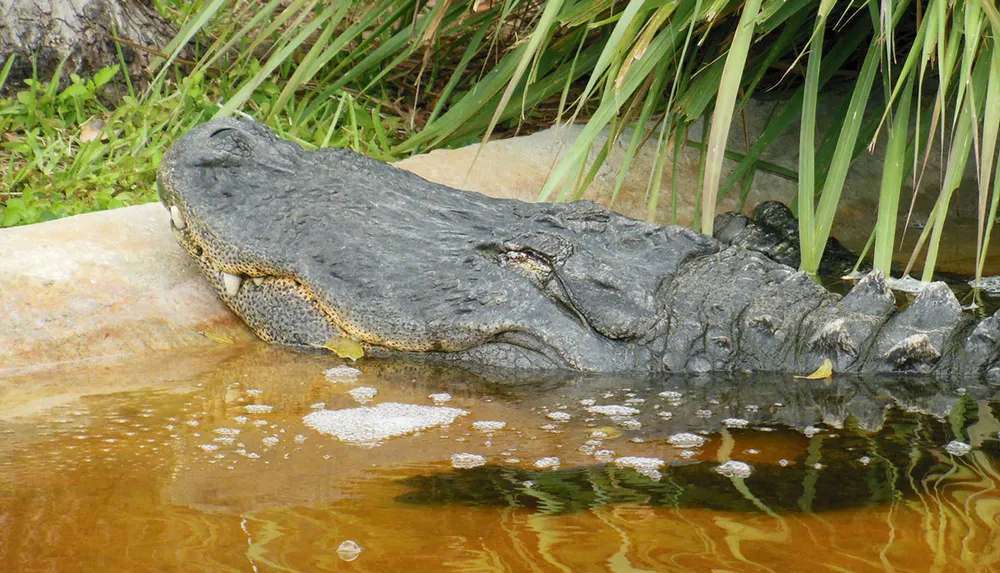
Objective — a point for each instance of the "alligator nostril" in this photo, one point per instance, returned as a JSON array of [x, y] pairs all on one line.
[[220, 130]]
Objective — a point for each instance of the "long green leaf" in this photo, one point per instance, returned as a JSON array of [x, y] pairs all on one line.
[[723, 114], [892, 182]]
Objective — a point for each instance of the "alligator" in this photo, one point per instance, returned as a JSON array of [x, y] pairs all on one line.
[[313, 246]]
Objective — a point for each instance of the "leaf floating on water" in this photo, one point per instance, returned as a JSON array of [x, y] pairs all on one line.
[[824, 371], [344, 347], [221, 339]]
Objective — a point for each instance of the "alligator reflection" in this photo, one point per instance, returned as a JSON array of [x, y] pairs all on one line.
[[865, 441]]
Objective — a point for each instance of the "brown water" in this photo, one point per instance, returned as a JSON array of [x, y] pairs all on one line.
[[160, 466]]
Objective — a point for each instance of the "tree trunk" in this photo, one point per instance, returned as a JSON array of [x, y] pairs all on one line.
[[41, 33]]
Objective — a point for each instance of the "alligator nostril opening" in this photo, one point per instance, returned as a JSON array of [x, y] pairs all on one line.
[[198, 251], [220, 130]]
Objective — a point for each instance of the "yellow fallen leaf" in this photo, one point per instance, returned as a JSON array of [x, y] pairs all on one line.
[[344, 347], [824, 371], [217, 338]]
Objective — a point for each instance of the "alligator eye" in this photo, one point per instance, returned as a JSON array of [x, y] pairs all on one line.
[[528, 262]]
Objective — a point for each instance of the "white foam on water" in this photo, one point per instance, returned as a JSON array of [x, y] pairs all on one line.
[[646, 466], [686, 440], [341, 374], [604, 456], [488, 425], [363, 394], [559, 416], [258, 408], [548, 463], [440, 398], [988, 284], [613, 410], [467, 461], [735, 423], [348, 550], [733, 469], [373, 424], [957, 448]]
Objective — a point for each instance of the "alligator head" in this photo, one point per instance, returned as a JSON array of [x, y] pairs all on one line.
[[307, 246]]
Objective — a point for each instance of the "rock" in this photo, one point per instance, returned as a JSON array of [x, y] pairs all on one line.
[[101, 285]]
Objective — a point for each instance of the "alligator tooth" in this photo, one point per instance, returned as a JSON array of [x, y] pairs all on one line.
[[175, 216], [258, 280], [232, 283]]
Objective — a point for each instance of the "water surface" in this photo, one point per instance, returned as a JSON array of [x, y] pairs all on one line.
[[206, 462]]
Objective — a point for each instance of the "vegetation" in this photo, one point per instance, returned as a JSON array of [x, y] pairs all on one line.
[[396, 77]]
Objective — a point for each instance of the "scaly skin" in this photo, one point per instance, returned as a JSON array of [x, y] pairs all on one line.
[[338, 244]]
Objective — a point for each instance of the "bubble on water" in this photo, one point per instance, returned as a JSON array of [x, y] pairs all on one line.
[[864, 460], [372, 424], [957, 448], [559, 416], [270, 441], [686, 440], [440, 398], [363, 394], [258, 408], [341, 374], [488, 425], [241, 419], [734, 469], [752, 408], [665, 414], [586, 449], [467, 461], [549, 427], [670, 395], [783, 462], [588, 402], [317, 405], [811, 431], [209, 447], [735, 423], [227, 431], [635, 401], [225, 440], [628, 423], [613, 410], [818, 466], [299, 438], [348, 550], [687, 454], [646, 466], [548, 463], [254, 392], [260, 423], [753, 451], [604, 456], [703, 413]]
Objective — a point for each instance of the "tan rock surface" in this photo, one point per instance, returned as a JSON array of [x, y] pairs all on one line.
[[102, 285]]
